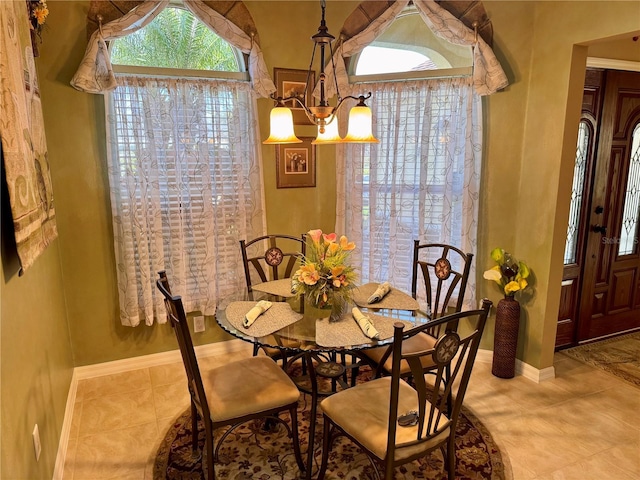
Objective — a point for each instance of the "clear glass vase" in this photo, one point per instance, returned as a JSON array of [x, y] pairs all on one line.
[[334, 308]]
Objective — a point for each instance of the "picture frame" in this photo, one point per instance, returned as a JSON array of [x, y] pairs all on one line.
[[289, 81], [296, 164]]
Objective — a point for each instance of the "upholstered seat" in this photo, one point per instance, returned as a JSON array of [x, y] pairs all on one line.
[[244, 387], [416, 343], [232, 394], [373, 414], [368, 417]]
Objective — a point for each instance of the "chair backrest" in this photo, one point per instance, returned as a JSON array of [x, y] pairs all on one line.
[[445, 271], [275, 256], [453, 356], [178, 320]]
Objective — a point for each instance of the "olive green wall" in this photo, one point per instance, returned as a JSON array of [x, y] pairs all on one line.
[[534, 42], [530, 130], [36, 363]]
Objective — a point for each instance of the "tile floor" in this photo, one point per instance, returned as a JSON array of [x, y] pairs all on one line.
[[583, 425]]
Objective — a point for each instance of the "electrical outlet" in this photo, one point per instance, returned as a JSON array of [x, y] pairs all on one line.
[[36, 442], [198, 324]]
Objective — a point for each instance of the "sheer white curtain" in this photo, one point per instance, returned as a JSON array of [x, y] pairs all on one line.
[[420, 182], [185, 183]]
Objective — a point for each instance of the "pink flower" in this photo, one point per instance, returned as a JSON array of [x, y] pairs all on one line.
[[330, 238], [315, 235]]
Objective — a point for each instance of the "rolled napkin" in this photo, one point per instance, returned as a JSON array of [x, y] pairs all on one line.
[[365, 324], [380, 292], [251, 316]]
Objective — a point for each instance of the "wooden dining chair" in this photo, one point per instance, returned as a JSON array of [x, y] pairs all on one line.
[[394, 422], [230, 395], [443, 271], [269, 258]]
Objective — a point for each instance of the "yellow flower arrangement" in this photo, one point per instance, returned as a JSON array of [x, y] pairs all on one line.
[[38, 12], [325, 273], [509, 274]]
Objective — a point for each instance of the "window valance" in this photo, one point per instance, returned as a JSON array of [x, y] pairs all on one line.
[[95, 73], [488, 75]]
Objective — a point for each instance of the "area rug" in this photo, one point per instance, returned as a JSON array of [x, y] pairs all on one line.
[[252, 453], [619, 356]]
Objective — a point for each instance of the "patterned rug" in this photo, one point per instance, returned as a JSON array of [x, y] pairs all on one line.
[[619, 356], [251, 453]]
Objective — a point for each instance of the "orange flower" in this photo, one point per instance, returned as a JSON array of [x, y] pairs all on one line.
[[345, 244], [308, 274]]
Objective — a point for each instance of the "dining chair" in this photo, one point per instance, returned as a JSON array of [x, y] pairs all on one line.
[[444, 271], [394, 422], [270, 258], [230, 395]]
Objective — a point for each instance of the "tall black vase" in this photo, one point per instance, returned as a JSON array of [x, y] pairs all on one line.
[[505, 340]]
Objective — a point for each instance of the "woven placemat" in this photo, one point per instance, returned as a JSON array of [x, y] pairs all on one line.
[[346, 331], [395, 299], [281, 288], [278, 316]]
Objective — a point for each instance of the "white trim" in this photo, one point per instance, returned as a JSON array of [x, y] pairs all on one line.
[[613, 64], [120, 366], [66, 428], [152, 360], [522, 368]]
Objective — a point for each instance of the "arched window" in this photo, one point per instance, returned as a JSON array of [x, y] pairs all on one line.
[[176, 39], [408, 45], [184, 169], [422, 180]]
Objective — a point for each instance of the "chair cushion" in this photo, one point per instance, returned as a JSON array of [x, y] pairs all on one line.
[[363, 413], [246, 387], [417, 343]]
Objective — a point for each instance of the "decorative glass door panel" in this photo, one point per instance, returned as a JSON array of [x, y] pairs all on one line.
[[631, 212]]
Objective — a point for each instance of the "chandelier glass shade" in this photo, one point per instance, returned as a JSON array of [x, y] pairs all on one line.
[[323, 115]]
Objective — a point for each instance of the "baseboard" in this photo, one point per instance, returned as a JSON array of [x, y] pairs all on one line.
[[66, 428], [124, 365], [522, 368]]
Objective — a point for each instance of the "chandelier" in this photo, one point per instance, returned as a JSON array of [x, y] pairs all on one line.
[[323, 115]]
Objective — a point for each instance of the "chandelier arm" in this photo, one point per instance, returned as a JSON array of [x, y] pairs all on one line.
[[335, 77]]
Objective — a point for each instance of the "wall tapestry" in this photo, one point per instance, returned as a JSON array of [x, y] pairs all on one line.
[[24, 144]]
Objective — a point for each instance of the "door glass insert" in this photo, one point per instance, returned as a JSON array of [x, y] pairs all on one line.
[[631, 212], [577, 192]]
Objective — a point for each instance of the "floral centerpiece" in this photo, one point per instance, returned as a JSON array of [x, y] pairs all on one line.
[[325, 276], [508, 273]]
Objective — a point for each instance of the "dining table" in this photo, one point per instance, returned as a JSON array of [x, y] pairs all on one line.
[[313, 345]]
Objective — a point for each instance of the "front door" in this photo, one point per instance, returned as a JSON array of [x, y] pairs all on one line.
[[606, 273]]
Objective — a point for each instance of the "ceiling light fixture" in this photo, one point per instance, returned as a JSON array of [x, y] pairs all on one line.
[[323, 115]]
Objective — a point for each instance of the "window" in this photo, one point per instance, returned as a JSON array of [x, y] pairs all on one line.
[[184, 165], [408, 45], [577, 191], [422, 180], [631, 212]]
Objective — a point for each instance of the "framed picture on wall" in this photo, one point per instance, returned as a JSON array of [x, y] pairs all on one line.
[[296, 164], [292, 82]]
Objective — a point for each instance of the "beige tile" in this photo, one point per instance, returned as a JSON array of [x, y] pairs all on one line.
[[111, 412], [171, 400], [592, 468], [166, 374], [586, 429], [122, 453], [626, 457], [111, 384], [528, 439]]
